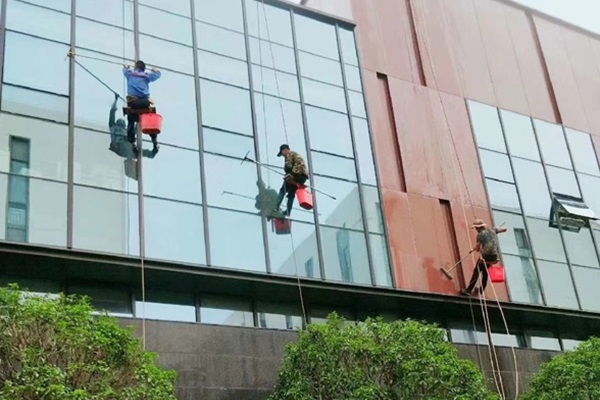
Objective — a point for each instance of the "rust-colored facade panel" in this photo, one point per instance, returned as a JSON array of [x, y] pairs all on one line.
[[368, 36], [561, 74], [531, 64], [502, 61]]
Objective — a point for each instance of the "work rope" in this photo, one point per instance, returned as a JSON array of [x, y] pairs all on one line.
[[285, 130]]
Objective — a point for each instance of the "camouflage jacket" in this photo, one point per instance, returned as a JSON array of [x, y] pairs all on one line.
[[294, 163]]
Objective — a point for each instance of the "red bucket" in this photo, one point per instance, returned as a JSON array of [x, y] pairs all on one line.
[[305, 198], [151, 123], [497, 274], [282, 226]]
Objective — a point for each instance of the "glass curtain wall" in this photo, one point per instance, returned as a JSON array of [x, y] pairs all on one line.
[[524, 162], [238, 77]]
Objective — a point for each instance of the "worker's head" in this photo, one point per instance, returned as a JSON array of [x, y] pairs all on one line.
[[121, 123], [284, 150], [139, 64], [479, 225]]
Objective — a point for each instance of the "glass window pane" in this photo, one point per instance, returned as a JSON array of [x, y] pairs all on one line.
[[19, 70], [221, 310], [160, 53], [581, 248], [337, 140], [337, 167], [522, 280], [60, 5], [261, 16], [558, 285], [373, 209], [103, 38], [348, 46], [570, 344], [26, 18], [174, 231], [321, 69], [316, 37], [166, 307], [165, 25], [353, 80], [345, 256], [279, 316], [503, 196], [345, 210], [47, 146], [267, 197], [228, 144], [563, 181], [38, 104], [107, 11], [545, 240], [381, 264], [588, 281], [468, 336], [533, 188], [515, 240], [272, 55], [105, 221], [597, 237], [276, 83], [223, 69], [220, 41], [324, 95], [242, 231], [225, 13], [175, 6], [519, 135], [496, 166], [553, 144], [582, 150], [229, 183], [365, 151], [486, 126], [591, 194], [236, 117], [116, 301], [280, 128], [303, 257], [542, 340], [357, 104]]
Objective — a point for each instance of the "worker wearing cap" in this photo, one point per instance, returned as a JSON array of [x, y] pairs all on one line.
[[488, 248], [296, 173]]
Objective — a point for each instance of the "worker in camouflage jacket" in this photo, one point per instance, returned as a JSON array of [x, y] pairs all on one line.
[[296, 173]]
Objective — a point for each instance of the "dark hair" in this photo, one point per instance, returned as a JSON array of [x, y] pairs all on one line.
[[141, 65]]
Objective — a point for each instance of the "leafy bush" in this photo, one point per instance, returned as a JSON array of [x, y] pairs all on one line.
[[570, 376], [56, 349], [377, 361]]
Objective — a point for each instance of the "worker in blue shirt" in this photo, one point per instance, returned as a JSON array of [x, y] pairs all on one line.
[[138, 97]]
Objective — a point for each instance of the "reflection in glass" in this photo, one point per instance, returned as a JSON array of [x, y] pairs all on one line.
[[522, 280], [219, 40], [558, 285], [105, 221], [515, 240], [373, 209], [381, 264], [553, 144], [533, 188], [503, 196], [165, 25], [545, 240], [582, 151], [223, 69], [365, 151], [519, 135], [345, 210], [278, 316], [588, 281], [348, 46], [486, 126], [47, 146], [163, 54], [563, 181], [581, 248], [229, 183], [321, 69], [542, 340], [19, 70], [303, 258], [225, 13], [221, 310], [38, 104], [236, 117], [345, 256], [333, 166], [591, 194], [570, 344], [468, 336], [357, 104], [60, 5], [166, 307], [496, 165], [103, 38], [324, 95], [316, 37], [24, 17], [329, 131], [261, 16], [235, 240], [114, 300], [175, 6], [107, 11], [229, 144], [353, 78], [272, 55], [275, 83]]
